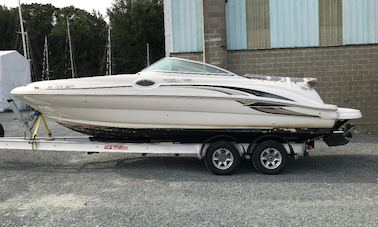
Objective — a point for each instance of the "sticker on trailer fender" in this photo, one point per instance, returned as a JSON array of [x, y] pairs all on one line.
[[118, 147]]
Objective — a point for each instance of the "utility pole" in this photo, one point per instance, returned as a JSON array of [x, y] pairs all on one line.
[[109, 53], [148, 53], [70, 46], [22, 30]]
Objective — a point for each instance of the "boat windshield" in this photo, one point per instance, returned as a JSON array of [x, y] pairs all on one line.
[[175, 65]]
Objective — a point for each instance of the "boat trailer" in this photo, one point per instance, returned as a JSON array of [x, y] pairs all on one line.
[[221, 154]]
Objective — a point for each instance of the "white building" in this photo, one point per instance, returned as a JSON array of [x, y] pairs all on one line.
[[14, 72]]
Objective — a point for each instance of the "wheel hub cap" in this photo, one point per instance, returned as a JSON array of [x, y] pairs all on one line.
[[222, 158], [271, 158]]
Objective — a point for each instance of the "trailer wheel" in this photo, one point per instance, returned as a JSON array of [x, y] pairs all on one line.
[[222, 158], [1, 131], [269, 157]]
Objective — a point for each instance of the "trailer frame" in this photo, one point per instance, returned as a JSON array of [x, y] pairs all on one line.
[[199, 149]]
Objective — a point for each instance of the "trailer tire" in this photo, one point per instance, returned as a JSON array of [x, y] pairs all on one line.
[[269, 157], [222, 158], [1, 131]]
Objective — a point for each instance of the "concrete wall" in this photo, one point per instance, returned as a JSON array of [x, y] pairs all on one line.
[[214, 21], [348, 76]]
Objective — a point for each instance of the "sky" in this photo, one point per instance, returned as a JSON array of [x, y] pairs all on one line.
[[88, 5]]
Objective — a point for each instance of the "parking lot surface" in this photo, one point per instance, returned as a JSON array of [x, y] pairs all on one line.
[[334, 187]]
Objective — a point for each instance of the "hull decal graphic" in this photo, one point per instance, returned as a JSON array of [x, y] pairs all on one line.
[[245, 90], [281, 111]]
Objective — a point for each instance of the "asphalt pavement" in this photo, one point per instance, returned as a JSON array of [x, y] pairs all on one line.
[[333, 187]]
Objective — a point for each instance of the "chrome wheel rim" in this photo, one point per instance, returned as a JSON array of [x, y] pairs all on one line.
[[271, 158], [222, 158]]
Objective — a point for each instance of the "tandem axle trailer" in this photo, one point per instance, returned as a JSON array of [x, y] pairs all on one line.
[[222, 153], [220, 156]]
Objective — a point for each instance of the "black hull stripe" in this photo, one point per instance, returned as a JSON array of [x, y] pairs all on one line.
[[282, 111]]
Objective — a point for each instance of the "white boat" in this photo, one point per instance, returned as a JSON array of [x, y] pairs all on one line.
[[176, 96]]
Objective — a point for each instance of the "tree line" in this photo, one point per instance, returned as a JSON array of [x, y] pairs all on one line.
[[133, 22]]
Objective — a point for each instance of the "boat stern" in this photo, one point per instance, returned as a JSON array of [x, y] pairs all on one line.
[[348, 114], [341, 133]]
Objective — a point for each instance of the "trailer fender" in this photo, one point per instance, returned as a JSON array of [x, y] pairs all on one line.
[[209, 141], [252, 146]]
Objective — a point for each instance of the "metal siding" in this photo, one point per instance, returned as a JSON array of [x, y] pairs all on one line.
[[360, 21], [200, 29], [187, 26], [330, 20], [168, 27], [236, 25], [294, 23], [258, 31]]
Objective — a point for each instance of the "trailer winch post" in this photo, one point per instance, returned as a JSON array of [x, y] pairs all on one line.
[[21, 118], [31, 126]]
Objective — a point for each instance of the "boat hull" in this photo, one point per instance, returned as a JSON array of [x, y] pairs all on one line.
[[149, 112], [195, 135]]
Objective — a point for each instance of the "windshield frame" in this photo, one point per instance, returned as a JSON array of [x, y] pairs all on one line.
[[226, 72]]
